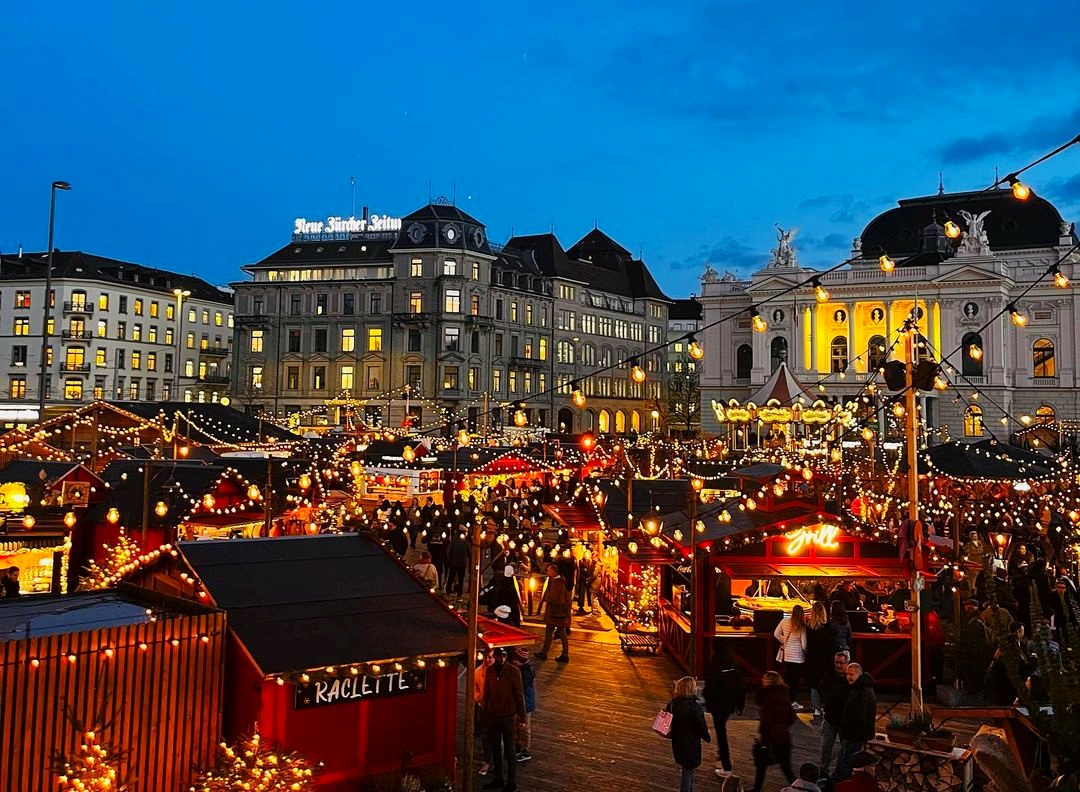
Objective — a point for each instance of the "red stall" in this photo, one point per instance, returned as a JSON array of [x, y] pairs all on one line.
[[335, 650]]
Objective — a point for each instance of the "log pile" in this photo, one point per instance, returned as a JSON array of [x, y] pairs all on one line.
[[900, 769]]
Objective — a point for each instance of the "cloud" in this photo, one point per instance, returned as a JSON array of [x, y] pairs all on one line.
[[1039, 133], [728, 253], [828, 242], [848, 208], [1065, 191]]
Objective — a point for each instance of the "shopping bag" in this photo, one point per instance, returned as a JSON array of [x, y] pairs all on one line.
[[662, 723]]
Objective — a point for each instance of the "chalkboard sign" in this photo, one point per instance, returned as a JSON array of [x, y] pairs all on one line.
[[357, 688]]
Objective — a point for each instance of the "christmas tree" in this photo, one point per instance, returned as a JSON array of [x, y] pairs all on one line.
[[91, 768], [120, 559], [256, 766], [641, 597]]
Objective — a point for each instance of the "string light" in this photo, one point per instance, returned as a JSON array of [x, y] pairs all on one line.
[[887, 264], [578, 397], [1018, 319], [1020, 191], [821, 294], [757, 322], [1060, 280], [975, 352], [696, 350], [952, 230], [637, 373]]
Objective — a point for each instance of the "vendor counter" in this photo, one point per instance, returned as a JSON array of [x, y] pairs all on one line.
[[885, 656]]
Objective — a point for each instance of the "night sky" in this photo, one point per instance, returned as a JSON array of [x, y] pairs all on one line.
[[194, 133]]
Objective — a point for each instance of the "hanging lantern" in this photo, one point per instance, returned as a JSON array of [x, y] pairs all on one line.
[[28, 521], [578, 398], [408, 454], [208, 501], [69, 519], [520, 419], [304, 481], [113, 515], [161, 509]]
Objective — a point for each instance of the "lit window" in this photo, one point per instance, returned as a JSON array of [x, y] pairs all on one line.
[[452, 339], [151, 334], [838, 354], [973, 422], [205, 316], [154, 308], [103, 302], [256, 378], [256, 340], [496, 380], [318, 378], [374, 339], [17, 388], [218, 318], [449, 267], [101, 358], [170, 312], [450, 378], [189, 342], [136, 359], [21, 327], [476, 270], [347, 378], [73, 389], [189, 368], [416, 302], [103, 328], [416, 268], [452, 301], [151, 361], [138, 306], [1042, 358], [348, 339], [22, 299]]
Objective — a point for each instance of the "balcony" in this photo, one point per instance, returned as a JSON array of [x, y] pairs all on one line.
[[214, 379], [411, 317], [526, 362], [79, 308], [476, 320], [252, 320], [214, 351], [76, 335], [1044, 382], [67, 367]]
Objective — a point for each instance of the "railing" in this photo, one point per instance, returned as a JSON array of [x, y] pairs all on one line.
[[78, 307], [76, 335], [481, 321], [413, 316], [1051, 382], [75, 368], [520, 360], [214, 379], [219, 351]]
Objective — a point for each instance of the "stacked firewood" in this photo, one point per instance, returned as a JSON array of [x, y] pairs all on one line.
[[903, 771]]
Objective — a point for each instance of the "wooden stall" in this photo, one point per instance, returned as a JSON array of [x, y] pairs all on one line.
[[156, 681]]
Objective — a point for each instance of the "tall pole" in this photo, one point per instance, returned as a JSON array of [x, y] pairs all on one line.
[[697, 596], [180, 294], [148, 467], [47, 315], [910, 339], [268, 502], [467, 774]]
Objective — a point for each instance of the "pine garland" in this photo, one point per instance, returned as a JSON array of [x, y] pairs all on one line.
[[256, 766], [119, 560]]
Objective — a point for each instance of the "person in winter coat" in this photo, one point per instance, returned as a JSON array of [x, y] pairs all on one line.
[[841, 626], [725, 694], [457, 559], [502, 592], [791, 633], [426, 571], [528, 683], [835, 690], [504, 711], [556, 604], [820, 647], [857, 723], [774, 729], [688, 729]]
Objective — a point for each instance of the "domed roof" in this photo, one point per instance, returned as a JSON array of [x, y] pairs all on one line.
[[1011, 223]]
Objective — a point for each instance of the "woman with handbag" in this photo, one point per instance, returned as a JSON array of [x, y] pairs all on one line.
[[773, 745], [791, 633], [688, 729]]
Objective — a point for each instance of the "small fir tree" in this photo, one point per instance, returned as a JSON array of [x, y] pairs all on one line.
[[256, 766]]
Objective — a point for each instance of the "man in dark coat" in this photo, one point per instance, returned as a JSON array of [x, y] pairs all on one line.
[[556, 603], [504, 708], [456, 561], [725, 695], [857, 723], [834, 690]]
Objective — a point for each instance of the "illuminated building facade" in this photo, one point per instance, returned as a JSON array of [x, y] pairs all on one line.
[[425, 318], [118, 330], [840, 333]]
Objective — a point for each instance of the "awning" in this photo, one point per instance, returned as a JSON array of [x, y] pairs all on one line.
[[756, 570], [495, 633]]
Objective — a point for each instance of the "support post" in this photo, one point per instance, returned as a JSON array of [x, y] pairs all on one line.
[[912, 423], [468, 776]]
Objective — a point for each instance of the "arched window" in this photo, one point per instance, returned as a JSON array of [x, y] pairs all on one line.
[[973, 422], [588, 355], [777, 352], [744, 361], [1042, 358], [1045, 415], [970, 367], [603, 423], [635, 421], [838, 354], [620, 421], [876, 353]]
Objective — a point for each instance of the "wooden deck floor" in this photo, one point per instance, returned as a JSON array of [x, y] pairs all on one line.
[[591, 728]]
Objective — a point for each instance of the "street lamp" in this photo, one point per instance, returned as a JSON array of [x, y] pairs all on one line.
[[180, 294], [56, 185]]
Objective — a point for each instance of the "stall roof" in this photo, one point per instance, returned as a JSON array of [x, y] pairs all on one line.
[[763, 471], [28, 471], [755, 569], [503, 461], [742, 521], [304, 602], [496, 633], [985, 460]]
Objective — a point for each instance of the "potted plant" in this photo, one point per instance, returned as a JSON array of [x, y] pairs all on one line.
[[918, 730]]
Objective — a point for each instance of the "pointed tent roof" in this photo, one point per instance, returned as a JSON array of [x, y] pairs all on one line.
[[781, 386]]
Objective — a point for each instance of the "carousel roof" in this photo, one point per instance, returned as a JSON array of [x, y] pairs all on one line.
[[781, 386]]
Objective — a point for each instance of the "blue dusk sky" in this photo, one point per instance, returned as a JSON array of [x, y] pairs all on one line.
[[194, 133]]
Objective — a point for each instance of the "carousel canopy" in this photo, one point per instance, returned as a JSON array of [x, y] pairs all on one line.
[[303, 602], [985, 460], [783, 387]]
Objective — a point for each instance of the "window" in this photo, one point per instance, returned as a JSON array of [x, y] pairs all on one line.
[[416, 268], [101, 358], [103, 328], [476, 270], [566, 292], [22, 299], [374, 339], [452, 339], [168, 336], [17, 387], [450, 378], [416, 302], [136, 359], [474, 344], [189, 368], [777, 352], [498, 344], [528, 313], [73, 390], [294, 340], [348, 339], [376, 303], [205, 316], [18, 355], [449, 267], [122, 304], [203, 369], [168, 362], [170, 313], [347, 378], [21, 327], [151, 334], [138, 306], [744, 361], [499, 309], [973, 422], [413, 376], [256, 340], [452, 301], [511, 382], [474, 378], [876, 353], [294, 304], [414, 341], [564, 352], [972, 345], [120, 359], [513, 311], [320, 340], [103, 302], [348, 304], [136, 332], [121, 330], [151, 361], [318, 378], [255, 377], [838, 354], [292, 378], [1042, 358], [155, 310], [48, 356], [474, 305], [320, 305], [219, 319], [371, 377], [496, 380]]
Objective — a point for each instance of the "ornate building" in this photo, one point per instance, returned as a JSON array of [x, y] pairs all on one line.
[[426, 318], [840, 332]]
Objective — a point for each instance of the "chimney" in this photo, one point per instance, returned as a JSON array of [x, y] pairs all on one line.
[[365, 213]]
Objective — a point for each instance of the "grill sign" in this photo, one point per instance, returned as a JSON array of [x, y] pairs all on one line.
[[355, 688]]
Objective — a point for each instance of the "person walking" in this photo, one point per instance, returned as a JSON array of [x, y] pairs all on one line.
[[791, 633], [775, 717], [841, 625], [835, 690], [528, 684], [426, 571], [504, 708], [688, 729], [480, 729], [857, 723], [585, 577], [556, 604], [725, 694], [457, 558], [820, 646]]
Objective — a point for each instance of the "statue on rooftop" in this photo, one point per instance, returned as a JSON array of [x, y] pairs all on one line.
[[784, 254]]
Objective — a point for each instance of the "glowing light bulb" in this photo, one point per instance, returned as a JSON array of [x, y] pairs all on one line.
[[69, 519], [886, 263], [1018, 319], [520, 419], [463, 437], [898, 410], [637, 374], [975, 352], [253, 492], [759, 324], [408, 454], [161, 509], [1020, 191], [208, 501], [952, 230], [821, 294], [868, 434], [696, 350], [304, 481], [940, 383], [113, 515], [28, 521], [578, 398], [1060, 280]]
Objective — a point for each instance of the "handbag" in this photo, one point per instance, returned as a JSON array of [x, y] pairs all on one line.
[[762, 753], [780, 654], [661, 724]]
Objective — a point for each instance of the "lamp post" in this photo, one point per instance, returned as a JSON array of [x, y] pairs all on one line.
[[180, 294], [56, 185], [910, 340], [697, 596]]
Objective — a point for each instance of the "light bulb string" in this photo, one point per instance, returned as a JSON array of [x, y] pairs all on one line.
[[1014, 174]]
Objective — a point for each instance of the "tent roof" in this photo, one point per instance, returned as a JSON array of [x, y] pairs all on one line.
[[781, 386]]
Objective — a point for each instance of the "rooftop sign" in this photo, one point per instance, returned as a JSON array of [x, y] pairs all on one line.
[[336, 228]]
